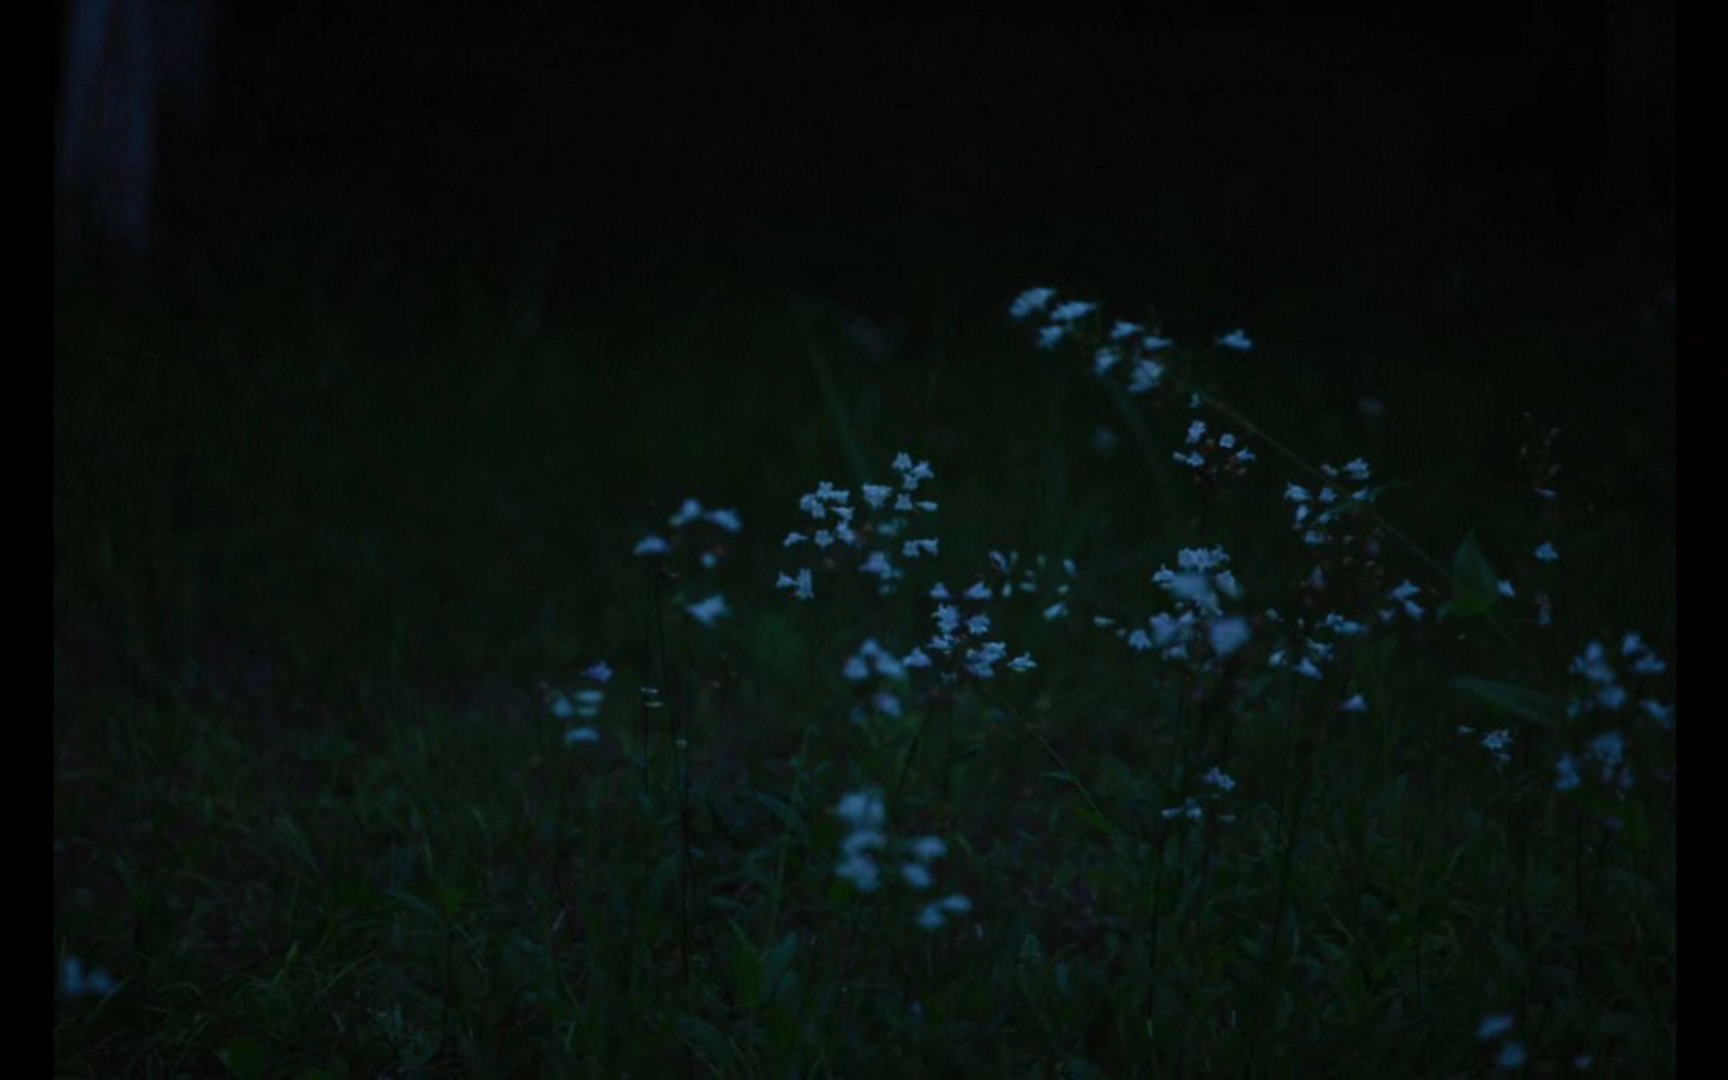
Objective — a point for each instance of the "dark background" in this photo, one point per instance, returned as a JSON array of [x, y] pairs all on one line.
[[388, 235], [630, 146]]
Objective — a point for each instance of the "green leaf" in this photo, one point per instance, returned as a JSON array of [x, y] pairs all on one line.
[[1094, 819], [1475, 587], [746, 966], [245, 1058], [413, 903], [705, 1039], [777, 962], [1509, 698], [788, 817]]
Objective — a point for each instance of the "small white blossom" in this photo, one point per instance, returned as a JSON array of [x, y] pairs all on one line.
[[725, 519], [1146, 376], [1493, 1026], [1567, 768], [926, 848], [800, 585], [708, 611], [862, 810], [75, 982], [860, 870], [1029, 301], [690, 511], [1190, 809], [934, 915], [1228, 635]]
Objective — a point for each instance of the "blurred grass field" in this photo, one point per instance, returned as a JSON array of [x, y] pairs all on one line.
[[328, 510]]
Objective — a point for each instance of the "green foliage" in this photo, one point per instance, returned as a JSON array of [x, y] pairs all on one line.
[[311, 812]]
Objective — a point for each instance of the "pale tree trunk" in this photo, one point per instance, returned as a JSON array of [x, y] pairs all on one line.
[[105, 160], [135, 80]]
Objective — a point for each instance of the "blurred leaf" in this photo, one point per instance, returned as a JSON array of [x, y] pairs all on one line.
[[705, 1039], [746, 964], [409, 900], [245, 1058], [777, 962], [788, 817], [1538, 708], [1475, 588]]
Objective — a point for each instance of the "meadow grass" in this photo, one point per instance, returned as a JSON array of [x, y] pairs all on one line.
[[379, 752]]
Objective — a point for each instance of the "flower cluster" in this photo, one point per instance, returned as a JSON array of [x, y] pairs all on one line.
[[1319, 513], [1603, 692], [1495, 1028], [690, 514], [866, 820], [1130, 349], [1061, 318], [963, 631], [888, 511], [76, 982], [878, 674], [1496, 742], [1193, 808], [1345, 590], [1196, 630], [1213, 456], [709, 533], [583, 704]]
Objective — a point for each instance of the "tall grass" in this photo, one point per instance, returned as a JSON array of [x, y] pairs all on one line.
[[378, 752]]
